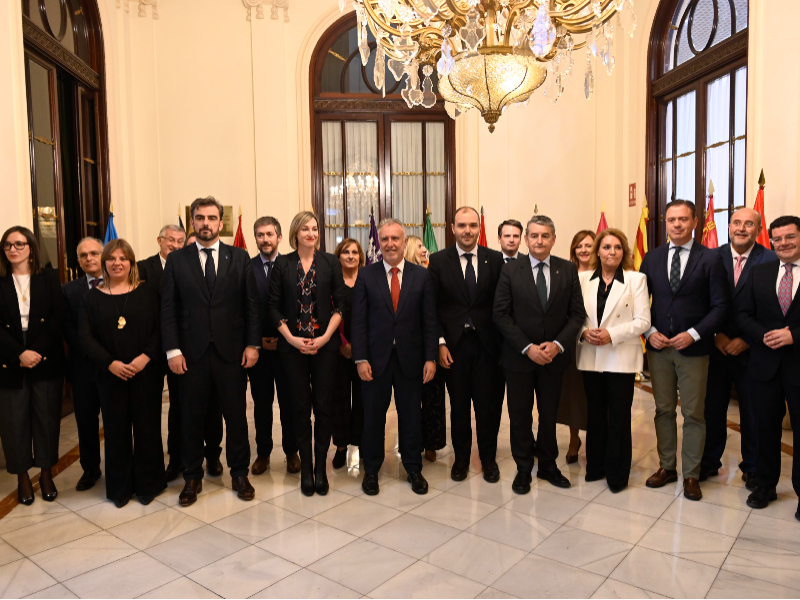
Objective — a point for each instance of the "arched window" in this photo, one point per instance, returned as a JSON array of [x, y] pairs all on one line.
[[372, 152], [697, 111], [64, 73]]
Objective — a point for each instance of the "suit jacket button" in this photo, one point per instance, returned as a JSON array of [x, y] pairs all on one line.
[[44, 358], [5, 367], [618, 316], [41, 320]]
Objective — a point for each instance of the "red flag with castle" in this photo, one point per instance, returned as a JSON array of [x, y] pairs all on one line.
[[710, 239]]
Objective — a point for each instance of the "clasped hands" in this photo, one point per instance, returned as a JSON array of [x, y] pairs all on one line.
[[596, 337], [680, 342], [127, 371], [543, 354], [728, 346], [308, 345], [29, 359]]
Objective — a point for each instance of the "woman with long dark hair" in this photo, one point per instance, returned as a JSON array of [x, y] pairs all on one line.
[[32, 359]]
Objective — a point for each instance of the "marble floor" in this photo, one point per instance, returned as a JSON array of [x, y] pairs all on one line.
[[468, 539]]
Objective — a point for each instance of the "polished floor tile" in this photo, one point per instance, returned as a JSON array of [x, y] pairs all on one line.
[[475, 557], [156, 528], [306, 542], [180, 588], [639, 500], [412, 535], [704, 515], [107, 515], [688, 542], [310, 506], [764, 562], [734, 585], [397, 495], [196, 549], [547, 505], [771, 532], [454, 511], [514, 529], [357, 516], [423, 580], [588, 551], [538, 577], [38, 512], [23, 577], [126, 578], [491, 593], [49, 534], [57, 591], [258, 522], [612, 522], [477, 488], [83, 555], [305, 584], [8, 553], [665, 574], [617, 589], [217, 505]]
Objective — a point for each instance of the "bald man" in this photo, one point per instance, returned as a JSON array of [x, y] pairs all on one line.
[[730, 358]]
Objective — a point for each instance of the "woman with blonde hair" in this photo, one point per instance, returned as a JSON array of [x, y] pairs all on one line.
[[120, 329], [609, 354], [307, 300], [416, 252]]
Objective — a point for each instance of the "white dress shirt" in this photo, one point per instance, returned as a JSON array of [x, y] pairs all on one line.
[[462, 259], [546, 271], [506, 257], [400, 268], [746, 255], [22, 283], [795, 277], [90, 279], [163, 261], [684, 258]]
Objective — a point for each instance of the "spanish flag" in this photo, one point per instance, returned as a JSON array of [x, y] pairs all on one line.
[[641, 239], [482, 240], [238, 241]]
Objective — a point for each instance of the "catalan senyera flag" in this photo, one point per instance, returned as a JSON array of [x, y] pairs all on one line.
[[603, 224], [482, 241], [238, 241], [640, 249], [710, 239], [763, 237]]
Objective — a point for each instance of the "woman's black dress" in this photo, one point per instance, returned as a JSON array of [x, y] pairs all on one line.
[[131, 409]]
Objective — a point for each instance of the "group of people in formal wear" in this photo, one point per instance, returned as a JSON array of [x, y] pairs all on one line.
[[340, 340]]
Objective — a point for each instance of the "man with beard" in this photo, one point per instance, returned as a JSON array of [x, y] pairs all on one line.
[[211, 333], [151, 270], [267, 374]]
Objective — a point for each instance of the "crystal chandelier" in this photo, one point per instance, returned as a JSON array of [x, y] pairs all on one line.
[[489, 54]]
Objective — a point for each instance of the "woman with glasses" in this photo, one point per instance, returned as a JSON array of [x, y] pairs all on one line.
[[31, 363]]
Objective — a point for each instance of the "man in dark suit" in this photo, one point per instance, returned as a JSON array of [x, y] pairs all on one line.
[[509, 236], [730, 357], [267, 374], [151, 271], [81, 372], [394, 335], [690, 303], [211, 333], [464, 279], [769, 317], [538, 308]]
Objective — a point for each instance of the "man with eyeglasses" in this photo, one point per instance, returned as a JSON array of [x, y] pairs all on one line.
[[81, 372], [770, 319], [730, 356]]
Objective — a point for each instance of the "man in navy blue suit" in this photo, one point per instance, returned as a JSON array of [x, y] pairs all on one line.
[[731, 356], [395, 346], [690, 303]]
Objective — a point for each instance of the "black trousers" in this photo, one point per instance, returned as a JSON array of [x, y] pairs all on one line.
[[723, 373], [770, 409], [86, 399], [609, 397], [313, 378], [213, 428], [265, 377], [212, 376], [522, 385], [348, 411], [408, 401], [470, 381], [132, 425]]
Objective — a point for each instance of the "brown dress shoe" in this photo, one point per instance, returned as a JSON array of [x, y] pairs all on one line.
[[661, 478], [691, 489], [241, 485], [190, 490], [293, 463], [260, 466]]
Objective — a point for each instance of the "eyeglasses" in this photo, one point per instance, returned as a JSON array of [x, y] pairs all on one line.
[[85, 255], [19, 246]]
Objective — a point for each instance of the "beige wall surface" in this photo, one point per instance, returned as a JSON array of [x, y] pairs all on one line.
[[202, 101]]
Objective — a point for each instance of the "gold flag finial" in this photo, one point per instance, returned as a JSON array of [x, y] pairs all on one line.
[[481, 209], [710, 187], [761, 181], [536, 209], [240, 210], [110, 207], [429, 211]]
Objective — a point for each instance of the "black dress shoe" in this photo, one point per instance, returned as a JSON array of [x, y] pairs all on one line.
[[339, 459], [307, 479], [145, 500], [762, 497], [321, 478], [706, 472], [87, 480], [554, 476], [243, 488], [120, 502], [370, 485], [491, 472], [26, 500], [522, 483], [173, 470], [459, 471], [750, 481], [615, 489], [418, 483], [190, 490], [214, 467], [594, 477]]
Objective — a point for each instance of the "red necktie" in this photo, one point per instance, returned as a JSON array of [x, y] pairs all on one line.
[[395, 287]]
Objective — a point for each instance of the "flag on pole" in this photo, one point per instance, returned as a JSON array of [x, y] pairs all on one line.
[[238, 241], [180, 221], [603, 224], [482, 241], [710, 239], [428, 237], [763, 237], [641, 238], [373, 248], [111, 231]]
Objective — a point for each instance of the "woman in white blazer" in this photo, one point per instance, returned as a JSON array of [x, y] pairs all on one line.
[[609, 354]]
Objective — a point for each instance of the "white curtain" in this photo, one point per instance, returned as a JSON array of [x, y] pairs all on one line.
[[407, 176], [685, 117], [435, 168], [332, 182], [718, 123], [739, 129], [361, 138], [667, 172]]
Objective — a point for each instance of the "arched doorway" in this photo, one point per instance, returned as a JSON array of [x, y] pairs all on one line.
[[67, 131]]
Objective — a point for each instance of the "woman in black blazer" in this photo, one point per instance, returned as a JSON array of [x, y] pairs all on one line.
[[307, 300], [31, 362]]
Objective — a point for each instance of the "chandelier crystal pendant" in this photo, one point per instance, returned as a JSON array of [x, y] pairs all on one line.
[[489, 54]]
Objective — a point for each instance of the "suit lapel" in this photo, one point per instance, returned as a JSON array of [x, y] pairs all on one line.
[[555, 280], [408, 278], [727, 260], [662, 268], [483, 270], [455, 265], [197, 269], [590, 300], [383, 285], [754, 259], [613, 297], [694, 257], [10, 293], [224, 264], [527, 276], [260, 275]]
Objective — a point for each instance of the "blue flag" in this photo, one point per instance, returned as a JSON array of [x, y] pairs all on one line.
[[373, 248], [111, 231]]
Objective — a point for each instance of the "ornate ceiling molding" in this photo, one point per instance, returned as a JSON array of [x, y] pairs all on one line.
[[143, 4], [275, 6], [51, 47]]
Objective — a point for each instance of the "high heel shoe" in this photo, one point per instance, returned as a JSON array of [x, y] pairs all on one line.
[[26, 500], [573, 458], [48, 483]]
